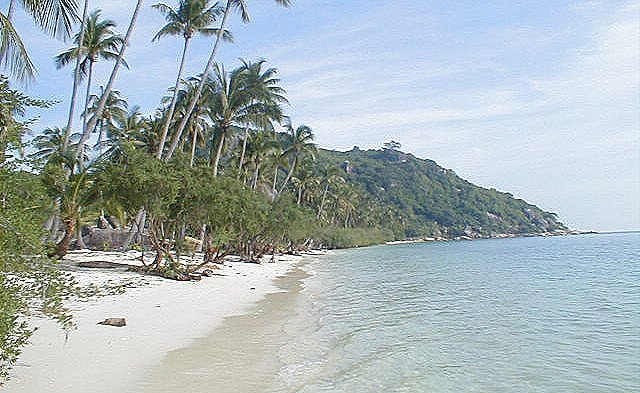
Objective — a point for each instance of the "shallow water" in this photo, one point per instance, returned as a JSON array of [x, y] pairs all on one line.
[[555, 314]]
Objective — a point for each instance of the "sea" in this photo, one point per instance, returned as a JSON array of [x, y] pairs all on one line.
[[537, 314]]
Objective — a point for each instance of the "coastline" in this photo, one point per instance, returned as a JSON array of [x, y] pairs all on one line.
[[570, 232], [162, 316]]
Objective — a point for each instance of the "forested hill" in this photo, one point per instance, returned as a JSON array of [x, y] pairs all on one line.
[[428, 200]]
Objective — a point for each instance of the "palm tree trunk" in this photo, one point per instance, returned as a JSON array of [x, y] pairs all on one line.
[[324, 197], [114, 73], [86, 132], [135, 229], [216, 160], [244, 149], [12, 6], [275, 182], [203, 80], [172, 106], [76, 80], [289, 174], [194, 138], [299, 195], [254, 184], [63, 246], [79, 240]]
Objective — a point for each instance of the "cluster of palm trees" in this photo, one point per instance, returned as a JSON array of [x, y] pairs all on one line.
[[230, 121]]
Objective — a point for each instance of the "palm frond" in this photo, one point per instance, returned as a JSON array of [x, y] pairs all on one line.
[[13, 53]]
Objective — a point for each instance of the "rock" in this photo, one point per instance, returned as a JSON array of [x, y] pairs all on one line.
[[207, 273], [118, 322]]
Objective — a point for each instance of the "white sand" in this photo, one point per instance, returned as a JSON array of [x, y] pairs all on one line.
[[162, 315]]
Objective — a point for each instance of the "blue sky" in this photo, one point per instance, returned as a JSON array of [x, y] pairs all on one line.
[[538, 98]]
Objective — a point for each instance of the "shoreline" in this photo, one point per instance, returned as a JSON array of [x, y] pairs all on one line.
[[494, 236], [241, 354], [162, 316]]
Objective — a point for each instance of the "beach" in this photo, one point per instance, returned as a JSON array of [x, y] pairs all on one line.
[[161, 315]]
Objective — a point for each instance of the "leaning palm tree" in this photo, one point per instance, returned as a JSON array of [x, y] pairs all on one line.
[[100, 41], [298, 144], [55, 17], [190, 18], [231, 6], [114, 72]]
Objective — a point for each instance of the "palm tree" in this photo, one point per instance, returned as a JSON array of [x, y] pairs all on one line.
[[331, 178], [76, 78], [229, 109], [266, 89], [55, 17], [114, 72], [114, 113], [125, 136], [190, 18], [50, 147], [298, 144], [262, 145], [100, 41], [231, 5]]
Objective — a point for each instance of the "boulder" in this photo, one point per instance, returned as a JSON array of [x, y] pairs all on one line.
[[118, 322]]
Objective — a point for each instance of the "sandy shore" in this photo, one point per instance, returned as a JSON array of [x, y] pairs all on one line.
[[162, 316]]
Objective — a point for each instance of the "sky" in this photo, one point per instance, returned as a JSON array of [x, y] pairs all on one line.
[[537, 98]]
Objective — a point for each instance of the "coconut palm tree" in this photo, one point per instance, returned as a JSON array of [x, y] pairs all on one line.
[[262, 145], [55, 17], [99, 41], [265, 87], [298, 144], [127, 135], [114, 72], [231, 5], [113, 115], [50, 147], [77, 75], [230, 108], [190, 18]]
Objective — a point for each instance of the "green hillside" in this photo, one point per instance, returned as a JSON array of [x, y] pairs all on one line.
[[428, 200]]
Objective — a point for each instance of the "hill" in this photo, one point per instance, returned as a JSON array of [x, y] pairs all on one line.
[[429, 200]]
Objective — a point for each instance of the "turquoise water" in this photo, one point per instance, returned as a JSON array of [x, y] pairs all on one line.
[[557, 314]]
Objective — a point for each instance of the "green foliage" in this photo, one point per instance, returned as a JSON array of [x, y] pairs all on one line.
[[416, 197], [336, 237], [28, 283], [12, 106]]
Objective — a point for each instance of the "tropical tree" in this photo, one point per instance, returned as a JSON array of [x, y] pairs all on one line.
[[266, 90], [114, 72], [99, 41], [298, 144], [231, 5], [190, 18], [113, 115], [261, 146], [55, 17], [50, 147], [13, 105]]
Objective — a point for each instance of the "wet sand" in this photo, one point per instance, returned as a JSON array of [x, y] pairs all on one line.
[[240, 355]]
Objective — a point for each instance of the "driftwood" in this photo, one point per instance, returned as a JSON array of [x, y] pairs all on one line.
[[102, 265]]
